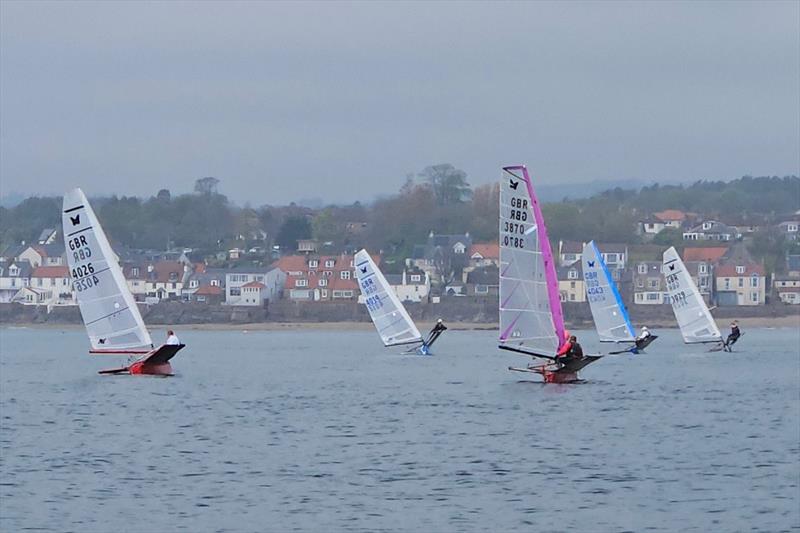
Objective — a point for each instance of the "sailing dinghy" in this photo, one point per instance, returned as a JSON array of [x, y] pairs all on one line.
[[608, 311], [694, 319], [531, 319], [109, 312], [389, 316]]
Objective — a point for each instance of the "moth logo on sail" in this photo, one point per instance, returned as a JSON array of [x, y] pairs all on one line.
[[76, 219]]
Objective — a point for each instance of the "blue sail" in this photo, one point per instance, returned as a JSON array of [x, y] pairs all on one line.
[[610, 316]]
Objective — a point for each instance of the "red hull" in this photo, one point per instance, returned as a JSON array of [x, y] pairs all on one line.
[[557, 377], [140, 368]]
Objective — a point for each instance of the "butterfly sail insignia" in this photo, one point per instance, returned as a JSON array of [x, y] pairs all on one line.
[[694, 319], [531, 318], [608, 311], [109, 312], [391, 319]]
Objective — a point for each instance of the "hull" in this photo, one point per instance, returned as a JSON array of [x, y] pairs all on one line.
[[155, 363], [554, 373]]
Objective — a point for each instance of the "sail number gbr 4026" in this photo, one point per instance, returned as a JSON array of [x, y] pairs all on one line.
[[83, 276], [514, 229]]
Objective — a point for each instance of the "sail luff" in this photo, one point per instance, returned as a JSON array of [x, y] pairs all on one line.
[[549, 264]]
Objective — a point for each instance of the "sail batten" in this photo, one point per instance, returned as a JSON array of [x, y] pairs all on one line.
[[390, 318], [530, 305], [608, 311], [694, 319], [109, 312]]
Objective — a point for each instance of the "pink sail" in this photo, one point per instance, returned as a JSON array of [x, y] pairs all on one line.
[[530, 306]]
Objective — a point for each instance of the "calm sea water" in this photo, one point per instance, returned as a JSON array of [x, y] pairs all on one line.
[[327, 431]]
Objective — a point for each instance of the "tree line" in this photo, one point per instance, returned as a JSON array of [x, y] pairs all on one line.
[[439, 199]]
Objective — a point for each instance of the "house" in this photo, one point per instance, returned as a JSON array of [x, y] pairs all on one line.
[[235, 253], [248, 285], [701, 273], [740, 282], [651, 226], [320, 278], [649, 287], [789, 229], [793, 264], [13, 277], [443, 257], [483, 281], [711, 230], [708, 254], [210, 294], [54, 284], [43, 255], [571, 286], [787, 288], [164, 279], [411, 286], [484, 254], [569, 252], [307, 246], [672, 218], [201, 277]]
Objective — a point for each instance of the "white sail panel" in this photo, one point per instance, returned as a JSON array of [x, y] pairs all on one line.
[[609, 313], [526, 319], [388, 314], [691, 312], [109, 312]]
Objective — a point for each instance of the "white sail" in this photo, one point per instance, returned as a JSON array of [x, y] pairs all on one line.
[[609, 313], [387, 313], [691, 312], [530, 312], [109, 311]]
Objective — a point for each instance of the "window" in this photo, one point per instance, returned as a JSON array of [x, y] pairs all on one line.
[[653, 296], [193, 284], [727, 282], [327, 273], [342, 294], [301, 283], [572, 297], [324, 293], [215, 283], [741, 282], [616, 274], [39, 282], [642, 268], [416, 277], [652, 283], [313, 263], [323, 282], [329, 263], [754, 281], [571, 284], [481, 289], [352, 263], [174, 285], [754, 296], [572, 274], [639, 297], [135, 271], [611, 258], [236, 291], [739, 269], [345, 274], [640, 283]]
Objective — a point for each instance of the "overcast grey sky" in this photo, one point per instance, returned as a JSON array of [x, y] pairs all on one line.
[[341, 100]]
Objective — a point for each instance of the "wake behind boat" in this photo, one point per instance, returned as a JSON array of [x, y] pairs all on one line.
[[391, 319], [109, 312], [531, 319], [608, 311]]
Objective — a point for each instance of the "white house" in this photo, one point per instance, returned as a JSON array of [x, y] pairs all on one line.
[[253, 285], [410, 286], [13, 277]]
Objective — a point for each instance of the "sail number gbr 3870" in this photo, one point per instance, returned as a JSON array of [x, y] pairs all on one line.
[[83, 275], [513, 229]]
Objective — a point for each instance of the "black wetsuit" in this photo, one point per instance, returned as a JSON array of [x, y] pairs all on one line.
[[574, 353], [435, 332], [734, 336]]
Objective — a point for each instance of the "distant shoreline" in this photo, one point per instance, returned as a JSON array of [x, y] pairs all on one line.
[[745, 322]]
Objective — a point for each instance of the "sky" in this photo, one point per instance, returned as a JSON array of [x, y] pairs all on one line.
[[340, 101]]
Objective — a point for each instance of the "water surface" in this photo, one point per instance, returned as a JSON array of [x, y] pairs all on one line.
[[326, 430]]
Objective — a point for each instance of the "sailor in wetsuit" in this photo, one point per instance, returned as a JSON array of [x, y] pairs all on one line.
[[733, 336], [642, 338], [571, 351]]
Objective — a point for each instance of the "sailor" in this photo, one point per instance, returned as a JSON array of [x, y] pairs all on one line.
[[172, 339], [570, 351], [734, 334], [644, 334], [439, 327]]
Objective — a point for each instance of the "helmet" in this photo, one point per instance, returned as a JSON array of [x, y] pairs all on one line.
[[644, 328], [438, 320]]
